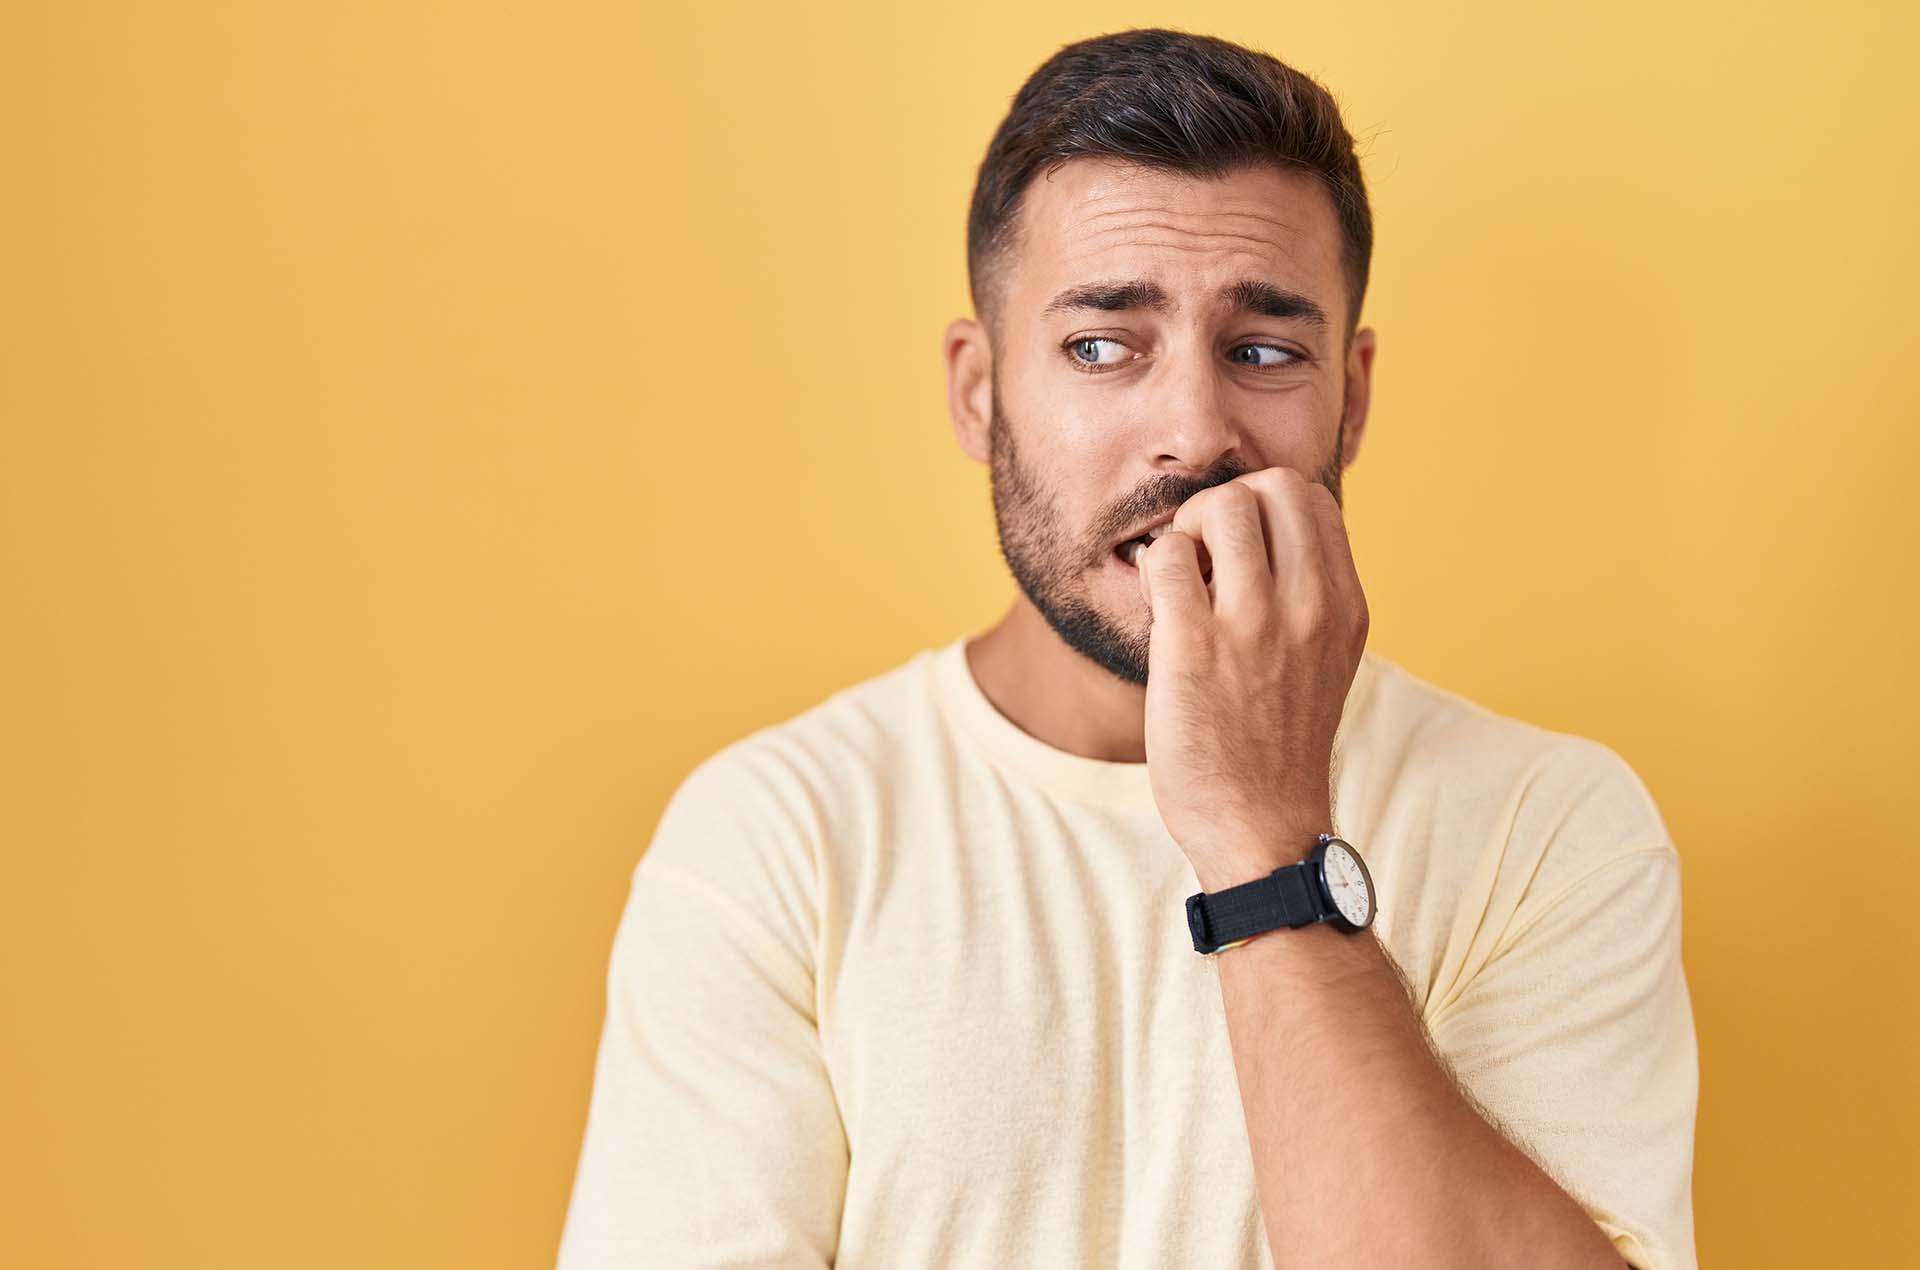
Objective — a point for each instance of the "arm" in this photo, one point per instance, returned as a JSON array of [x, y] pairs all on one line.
[[713, 1136], [1365, 1148], [1575, 1038]]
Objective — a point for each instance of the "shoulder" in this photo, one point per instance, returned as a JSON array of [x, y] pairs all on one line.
[[749, 828], [842, 741], [1545, 803], [796, 778]]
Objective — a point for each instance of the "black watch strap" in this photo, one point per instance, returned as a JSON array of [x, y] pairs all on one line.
[[1284, 897]]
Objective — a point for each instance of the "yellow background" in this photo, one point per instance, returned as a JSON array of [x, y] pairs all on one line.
[[430, 430]]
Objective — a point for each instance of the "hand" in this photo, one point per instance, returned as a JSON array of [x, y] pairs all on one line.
[[1247, 674]]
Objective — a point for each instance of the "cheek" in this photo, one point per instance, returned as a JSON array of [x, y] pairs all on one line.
[[1098, 456], [1083, 461]]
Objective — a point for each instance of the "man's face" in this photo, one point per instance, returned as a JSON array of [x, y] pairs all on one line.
[[1111, 405]]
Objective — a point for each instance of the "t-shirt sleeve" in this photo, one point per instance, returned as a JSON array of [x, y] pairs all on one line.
[[1576, 1037], [713, 1134]]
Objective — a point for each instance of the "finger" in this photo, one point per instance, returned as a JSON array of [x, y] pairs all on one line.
[[1176, 597], [1227, 520], [1337, 547], [1297, 557], [1275, 487]]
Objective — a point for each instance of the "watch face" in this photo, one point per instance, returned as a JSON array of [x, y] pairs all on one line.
[[1348, 883]]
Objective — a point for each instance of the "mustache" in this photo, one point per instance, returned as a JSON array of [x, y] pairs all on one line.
[[1167, 494]]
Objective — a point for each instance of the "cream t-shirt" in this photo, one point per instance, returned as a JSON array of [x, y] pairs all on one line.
[[900, 985]]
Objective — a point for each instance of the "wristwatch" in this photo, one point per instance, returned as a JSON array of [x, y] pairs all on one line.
[[1331, 885]]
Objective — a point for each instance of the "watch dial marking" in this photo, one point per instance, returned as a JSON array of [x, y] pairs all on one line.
[[1347, 884]]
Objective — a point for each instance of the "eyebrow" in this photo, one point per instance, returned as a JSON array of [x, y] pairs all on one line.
[[1249, 295]]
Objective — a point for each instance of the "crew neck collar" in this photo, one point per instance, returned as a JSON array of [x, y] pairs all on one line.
[[1031, 761]]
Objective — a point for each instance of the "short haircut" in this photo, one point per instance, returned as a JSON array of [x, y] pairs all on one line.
[[1171, 101]]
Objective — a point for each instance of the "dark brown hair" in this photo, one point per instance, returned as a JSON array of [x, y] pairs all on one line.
[[1171, 101]]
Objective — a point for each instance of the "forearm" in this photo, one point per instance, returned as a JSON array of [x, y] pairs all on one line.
[[1365, 1153]]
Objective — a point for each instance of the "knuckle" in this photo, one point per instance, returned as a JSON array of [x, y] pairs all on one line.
[[1237, 495], [1313, 616]]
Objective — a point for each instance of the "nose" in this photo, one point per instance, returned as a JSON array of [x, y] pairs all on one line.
[[1192, 429]]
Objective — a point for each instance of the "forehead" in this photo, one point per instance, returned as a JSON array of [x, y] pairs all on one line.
[[1097, 217]]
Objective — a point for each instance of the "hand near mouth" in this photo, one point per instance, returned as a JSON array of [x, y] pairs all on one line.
[[1248, 672]]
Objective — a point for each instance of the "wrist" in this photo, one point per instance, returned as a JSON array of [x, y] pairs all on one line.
[[1217, 876], [1253, 856], [1255, 840]]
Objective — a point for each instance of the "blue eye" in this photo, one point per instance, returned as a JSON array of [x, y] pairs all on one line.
[[1073, 347], [1291, 355]]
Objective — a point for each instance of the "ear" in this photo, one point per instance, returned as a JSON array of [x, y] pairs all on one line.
[[1359, 372], [970, 386]]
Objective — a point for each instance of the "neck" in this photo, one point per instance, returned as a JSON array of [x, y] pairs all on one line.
[[1054, 694]]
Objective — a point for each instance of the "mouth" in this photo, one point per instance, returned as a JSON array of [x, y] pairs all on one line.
[[1128, 550]]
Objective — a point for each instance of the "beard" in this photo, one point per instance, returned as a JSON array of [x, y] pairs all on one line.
[[1052, 565]]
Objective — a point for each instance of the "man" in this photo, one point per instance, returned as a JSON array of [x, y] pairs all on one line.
[[910, 979]]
